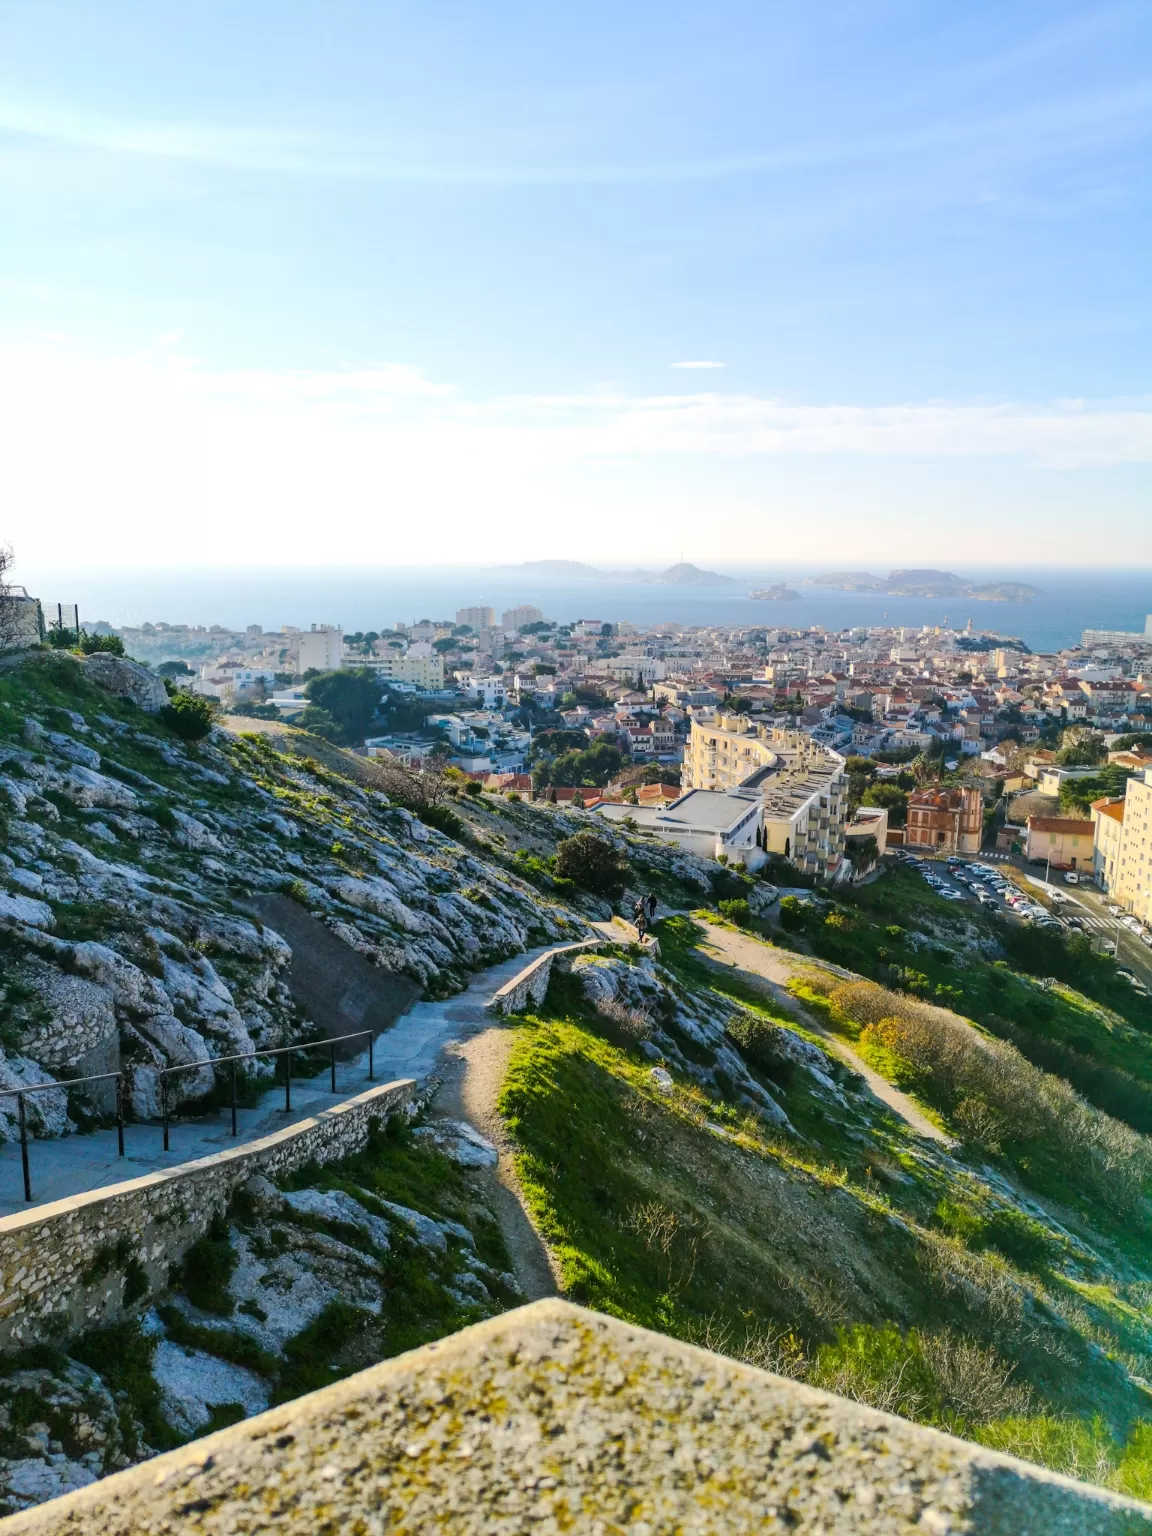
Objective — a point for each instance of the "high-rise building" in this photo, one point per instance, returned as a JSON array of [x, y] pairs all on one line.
[[477, 618], [524, 613], [321, 648]]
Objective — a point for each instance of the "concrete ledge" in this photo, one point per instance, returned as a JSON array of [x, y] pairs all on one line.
[[553, 1419], [53, 1278]]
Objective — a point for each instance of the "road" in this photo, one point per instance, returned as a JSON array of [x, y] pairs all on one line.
[[1081, 907]]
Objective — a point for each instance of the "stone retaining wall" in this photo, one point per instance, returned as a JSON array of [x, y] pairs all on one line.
[[551, 1418], [63, 1265], [530, 984]]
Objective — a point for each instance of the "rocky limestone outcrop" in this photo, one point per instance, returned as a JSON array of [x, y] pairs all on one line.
[[127, 679]]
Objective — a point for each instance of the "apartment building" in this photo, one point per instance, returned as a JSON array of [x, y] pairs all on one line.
[[480, 618], [1125, 855], [320, 648], [418, 670], [512, 618], [801, 784], [945, 820], [1107, 840]]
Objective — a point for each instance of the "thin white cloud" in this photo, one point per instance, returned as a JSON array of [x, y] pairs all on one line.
[[153, 458], [699, 364]]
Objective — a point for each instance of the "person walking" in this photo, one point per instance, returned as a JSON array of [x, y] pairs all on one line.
[[652, 905]]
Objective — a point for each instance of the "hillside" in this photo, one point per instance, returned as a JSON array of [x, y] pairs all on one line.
[[993, 1280], [872, 1141]]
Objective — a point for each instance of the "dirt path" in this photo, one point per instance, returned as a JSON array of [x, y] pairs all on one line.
[[473, 1074], [773, 969]]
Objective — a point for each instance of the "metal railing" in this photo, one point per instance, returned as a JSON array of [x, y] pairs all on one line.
[[65, 1084]]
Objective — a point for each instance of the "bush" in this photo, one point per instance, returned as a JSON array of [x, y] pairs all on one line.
[[737, 911], [110, 645], [758, 1041], [593, 864], [190, 715], [793, 913], [442, 818], [997, 1098], [473, 787]]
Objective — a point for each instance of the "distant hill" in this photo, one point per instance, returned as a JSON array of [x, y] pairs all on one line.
[[926, 583], [682, 575]]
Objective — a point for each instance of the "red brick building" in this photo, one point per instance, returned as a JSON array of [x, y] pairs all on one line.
[[945, 820]]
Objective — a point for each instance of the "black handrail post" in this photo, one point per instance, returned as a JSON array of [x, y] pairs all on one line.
[[234, 1132], [120, 1113], [24, 1147], [332, 1056], [164, 1104], [288, 1082], [371, 1065]]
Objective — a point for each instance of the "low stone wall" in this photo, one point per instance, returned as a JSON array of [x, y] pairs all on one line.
[[551, 1418], [63, 1265], [531, 984]]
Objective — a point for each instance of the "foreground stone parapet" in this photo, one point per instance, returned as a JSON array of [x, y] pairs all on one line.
[[554, 1419]]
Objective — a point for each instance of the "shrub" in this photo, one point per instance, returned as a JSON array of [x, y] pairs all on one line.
[[473, 787], [737, 911], [442, 818], [999, 1099], [593, 864], [207, 1269], [110, 645], [190, 715], [793, 912], [758, 1041]]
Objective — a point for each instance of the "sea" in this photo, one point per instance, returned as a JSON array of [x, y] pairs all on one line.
[[365, 598]]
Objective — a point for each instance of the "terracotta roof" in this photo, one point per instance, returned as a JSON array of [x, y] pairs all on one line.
[[1113, 808], [1065, 824]]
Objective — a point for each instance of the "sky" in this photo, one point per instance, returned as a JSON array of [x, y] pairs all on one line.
[[353, 283]]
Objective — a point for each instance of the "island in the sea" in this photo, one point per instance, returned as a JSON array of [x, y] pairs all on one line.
[[777, 593], [926, 583], [681, 575]]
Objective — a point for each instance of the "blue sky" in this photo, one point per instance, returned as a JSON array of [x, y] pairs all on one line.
[[358, 281]]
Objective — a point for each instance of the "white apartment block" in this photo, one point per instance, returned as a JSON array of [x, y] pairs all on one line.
[[801, 784], [418, 670], [1123, 848], [322, 648], [479, 618], [512, 618]]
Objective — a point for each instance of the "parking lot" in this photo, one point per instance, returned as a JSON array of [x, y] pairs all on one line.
[[1016, 894]]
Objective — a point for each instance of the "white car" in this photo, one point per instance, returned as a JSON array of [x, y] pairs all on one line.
[[1071, 878]]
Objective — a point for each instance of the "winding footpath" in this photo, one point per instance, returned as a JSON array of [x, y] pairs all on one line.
[[412, 1047], [774, 968]]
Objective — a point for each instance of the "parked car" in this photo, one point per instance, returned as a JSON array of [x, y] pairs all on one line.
[[1071, 878]]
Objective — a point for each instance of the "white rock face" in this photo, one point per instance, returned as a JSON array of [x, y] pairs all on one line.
[[423, 1228], [86, 787], [26, 909], [335, 1205], [193, 834], [127, 679], [459, 1141], [192, 1384], [32, 1481]]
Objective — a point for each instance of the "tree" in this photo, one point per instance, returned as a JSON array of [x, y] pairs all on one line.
[[890, 798], [1134, 741], [925, 770], [10, 625], [1081, 748], [593, 864], [592, 768], [349, 697], [863, 852], [174, 669], [190, 715]]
